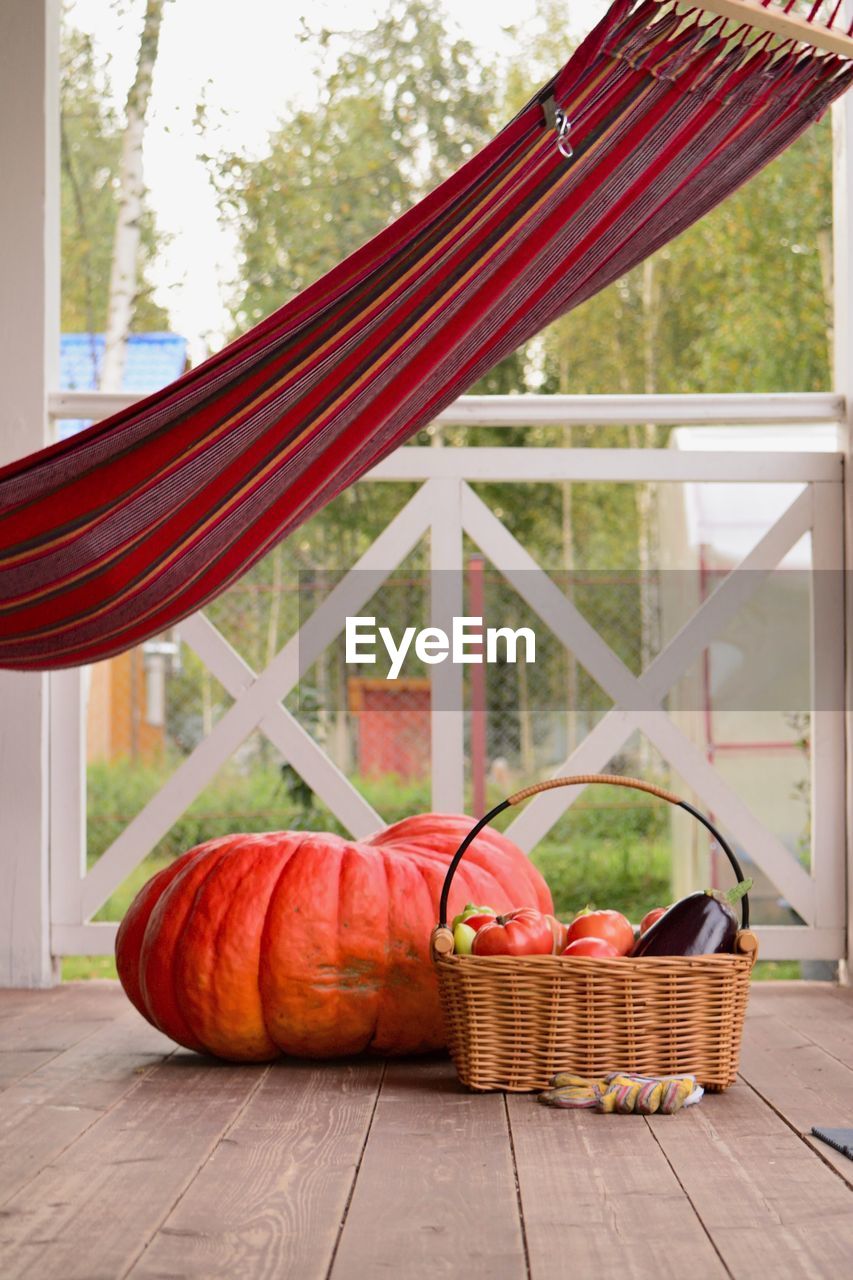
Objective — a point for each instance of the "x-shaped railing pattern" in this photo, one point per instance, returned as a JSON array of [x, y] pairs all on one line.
[[638, 700]]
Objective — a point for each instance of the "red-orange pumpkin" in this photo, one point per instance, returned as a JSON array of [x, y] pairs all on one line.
[[304, 943]]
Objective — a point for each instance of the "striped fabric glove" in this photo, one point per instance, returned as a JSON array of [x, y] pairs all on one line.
[[574, 1093], [623, 1094]]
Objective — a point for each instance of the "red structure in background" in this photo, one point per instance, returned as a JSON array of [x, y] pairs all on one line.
[[393, 718], [477, 609]]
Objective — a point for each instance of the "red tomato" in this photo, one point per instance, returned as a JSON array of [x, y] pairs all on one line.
[[477, 922], [560, 932], [611, 926], [650, 917], [525, 932], [596, 947]]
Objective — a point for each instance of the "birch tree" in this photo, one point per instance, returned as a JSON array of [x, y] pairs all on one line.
[[125, 259], [91, 155]]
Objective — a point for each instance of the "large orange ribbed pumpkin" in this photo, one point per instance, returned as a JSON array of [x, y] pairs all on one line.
[[307, 944]]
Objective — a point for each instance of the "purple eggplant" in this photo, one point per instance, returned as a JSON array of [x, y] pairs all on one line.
[[701, 924]]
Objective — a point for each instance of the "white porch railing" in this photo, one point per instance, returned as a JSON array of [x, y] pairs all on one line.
[[446, 507], [530, 410], [38, 777]]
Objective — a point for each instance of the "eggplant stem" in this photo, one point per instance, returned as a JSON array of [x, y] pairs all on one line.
[[734, 895]]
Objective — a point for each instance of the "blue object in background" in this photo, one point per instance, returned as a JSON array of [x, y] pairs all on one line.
[[153, 360]]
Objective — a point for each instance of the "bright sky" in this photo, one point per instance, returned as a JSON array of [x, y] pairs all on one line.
[[246, 61]]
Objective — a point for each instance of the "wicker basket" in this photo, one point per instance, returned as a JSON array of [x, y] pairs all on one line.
[[514, 1022]]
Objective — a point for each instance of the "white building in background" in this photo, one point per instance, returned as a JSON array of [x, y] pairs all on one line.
[[731, 702]]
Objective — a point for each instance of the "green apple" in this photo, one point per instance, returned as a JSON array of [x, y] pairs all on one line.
[[472, 910], [463, 938]]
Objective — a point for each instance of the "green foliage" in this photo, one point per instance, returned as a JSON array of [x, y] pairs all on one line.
[[541, 48], [600, 819], [117, 903], [399, 112], [619, 875], [607, 852], [609, 888], [78, 968], [325, 187], [236, 801], [90, 155], [258, 799], [776, 970], [739, 302], [594, 844], [602, 853], [428, 81], [612, 859], [266, 799]]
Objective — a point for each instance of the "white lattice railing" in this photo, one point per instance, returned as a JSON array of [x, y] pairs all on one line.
[[447, 508]]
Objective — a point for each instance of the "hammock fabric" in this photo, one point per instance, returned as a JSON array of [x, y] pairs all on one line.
[[118, 533]]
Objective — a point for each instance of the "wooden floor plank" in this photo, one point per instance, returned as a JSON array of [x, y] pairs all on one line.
[[40, 1007], [116, 1162], [50, 1021], [270, 1200], [17, 1063], [799, 1079], [596, 1189], [15, 999], [435, 1194], [820, 1011], [771, 1208], [43, 1113], [36, 1026], [90, 1213]]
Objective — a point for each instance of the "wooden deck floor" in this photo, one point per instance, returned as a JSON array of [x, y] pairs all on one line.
[[120, 1156]]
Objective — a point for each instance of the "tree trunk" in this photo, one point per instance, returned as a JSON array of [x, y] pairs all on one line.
[[646, 494], [123, 276], [525, 732], [569, 570], [827, 273], [206, 703], [568, 542], [274, 613], [342, 755]]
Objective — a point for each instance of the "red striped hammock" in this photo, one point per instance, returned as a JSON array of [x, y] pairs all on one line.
[[118, 533]]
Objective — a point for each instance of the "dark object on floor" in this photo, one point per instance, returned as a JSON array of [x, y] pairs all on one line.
[[841, 1139]]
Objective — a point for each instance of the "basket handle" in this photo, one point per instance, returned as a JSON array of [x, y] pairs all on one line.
[[581, 780]]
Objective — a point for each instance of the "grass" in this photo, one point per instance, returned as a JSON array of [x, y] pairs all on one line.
[[595, 872], [77, 967], [605, 873], [773, 970], [604, 853]]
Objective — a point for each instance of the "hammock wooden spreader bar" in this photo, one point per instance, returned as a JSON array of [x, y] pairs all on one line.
[[111, 537], [785, 22]]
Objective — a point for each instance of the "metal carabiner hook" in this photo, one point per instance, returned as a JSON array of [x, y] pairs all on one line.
[[557, 119], [564, 126]]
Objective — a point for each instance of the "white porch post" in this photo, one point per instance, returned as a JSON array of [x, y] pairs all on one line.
[[843, 383], [29, 341]]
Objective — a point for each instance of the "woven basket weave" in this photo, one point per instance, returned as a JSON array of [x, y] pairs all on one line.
[[514, 1021]]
